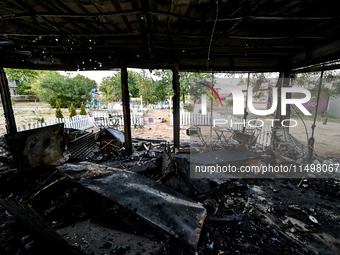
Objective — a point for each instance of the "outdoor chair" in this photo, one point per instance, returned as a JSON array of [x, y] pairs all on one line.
[[99, 122], [207, 142], [114, 121], [248, 138]]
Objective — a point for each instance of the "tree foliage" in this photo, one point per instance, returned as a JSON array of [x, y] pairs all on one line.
[[82, 110], [111, 86], [187, 83], [146, 87], [330, 82], [26, 79], [58, 113], [21, 75], [72, 111], [66, 90], [132, 81]]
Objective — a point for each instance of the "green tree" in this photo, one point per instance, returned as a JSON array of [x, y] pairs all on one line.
[[132, 81], [111, 86], [82, 110], [73, 111], [186, 80], [25, 79], [58, 113], [67, 90], [330, 82], [146, 87]]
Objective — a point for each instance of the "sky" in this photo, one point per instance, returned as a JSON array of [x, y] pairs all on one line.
[[98, 75], [93, 75]]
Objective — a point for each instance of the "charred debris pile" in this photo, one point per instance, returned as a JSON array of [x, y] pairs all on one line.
[[74, 192]]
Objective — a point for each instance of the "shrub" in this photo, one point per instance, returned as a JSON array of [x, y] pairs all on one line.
[[58, 113], [73, 111], [330, 114], [82, 110]]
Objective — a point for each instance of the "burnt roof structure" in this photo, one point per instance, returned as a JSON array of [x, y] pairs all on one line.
[[249, 35]]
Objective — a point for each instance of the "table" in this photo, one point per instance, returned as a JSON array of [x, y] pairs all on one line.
[[220, 132]]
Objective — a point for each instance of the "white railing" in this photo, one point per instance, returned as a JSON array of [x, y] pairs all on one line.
[[197, 119], [135, 117], [231, 122], [77, 122], [84, 122]]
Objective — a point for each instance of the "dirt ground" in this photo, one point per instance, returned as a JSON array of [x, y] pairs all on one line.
[[159, 130], [327, 137]]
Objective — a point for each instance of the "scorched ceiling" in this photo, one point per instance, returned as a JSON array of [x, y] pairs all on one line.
[[248, 35]]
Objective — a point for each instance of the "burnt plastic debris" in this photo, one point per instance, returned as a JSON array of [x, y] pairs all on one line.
[[37, 147], [114, 133]]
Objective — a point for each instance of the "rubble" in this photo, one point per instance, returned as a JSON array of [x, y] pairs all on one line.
[[147, 203], [148, 199], [37, 147]]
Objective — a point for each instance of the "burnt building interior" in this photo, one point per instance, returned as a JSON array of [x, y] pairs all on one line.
[[59, 194]]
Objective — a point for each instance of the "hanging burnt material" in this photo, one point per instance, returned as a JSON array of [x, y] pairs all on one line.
[[37, 147], [83, 147]]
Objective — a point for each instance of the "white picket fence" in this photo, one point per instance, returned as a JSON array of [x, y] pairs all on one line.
[[135, 117], [84, 122], [231, 122], [77, 122]]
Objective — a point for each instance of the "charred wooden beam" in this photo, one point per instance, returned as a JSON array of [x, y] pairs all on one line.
[[126, 109], [11, 127], [154, 12], [286, 83], [170, 35], [314, 68], [246, 106], [278, 108], [316, 55], [175, 86]]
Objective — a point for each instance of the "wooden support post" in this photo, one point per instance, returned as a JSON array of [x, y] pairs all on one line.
[[278, 108], [286, 83], [277, 112], [211, 106], [175, 86], [312, 139], [126, 110], [11, 127], [246, 106]]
